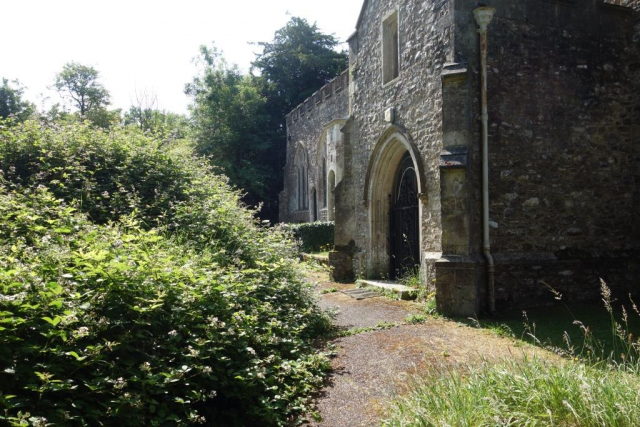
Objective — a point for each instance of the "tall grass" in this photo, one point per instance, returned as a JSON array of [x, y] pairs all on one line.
[[598, 384], [531, 392]]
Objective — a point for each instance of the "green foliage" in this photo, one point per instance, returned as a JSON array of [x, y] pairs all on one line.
[[111, 174], [104, 118], [599, 385], [411, 278], [158, 122], [11, 102], [360, 330], [522, 393], [313, 236], [415, 319], [79, 83], [166, 303], [297, 62], [588, 331], [230, 125], [145, 114]]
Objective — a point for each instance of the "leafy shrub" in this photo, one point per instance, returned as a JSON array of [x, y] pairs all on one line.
[[111, 173], [106, 319], [313, 236]]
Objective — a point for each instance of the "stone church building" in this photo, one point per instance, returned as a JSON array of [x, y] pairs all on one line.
[[496, 147]]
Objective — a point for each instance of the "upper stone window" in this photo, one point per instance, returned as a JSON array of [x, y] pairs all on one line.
[[390, 48]]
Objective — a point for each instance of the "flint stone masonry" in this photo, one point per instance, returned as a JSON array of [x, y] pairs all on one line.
[[564, 147]]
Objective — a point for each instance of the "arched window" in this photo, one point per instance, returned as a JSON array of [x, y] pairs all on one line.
[[302, 194]]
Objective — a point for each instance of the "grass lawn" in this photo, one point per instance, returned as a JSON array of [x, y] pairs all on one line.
[[522, 393]]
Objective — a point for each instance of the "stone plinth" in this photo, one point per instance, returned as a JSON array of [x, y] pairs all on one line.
[[459, 285]]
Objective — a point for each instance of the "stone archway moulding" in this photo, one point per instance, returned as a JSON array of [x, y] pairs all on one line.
[[392, 134], [379, 180]]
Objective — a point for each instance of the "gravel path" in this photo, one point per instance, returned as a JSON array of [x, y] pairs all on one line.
[[372, 367]]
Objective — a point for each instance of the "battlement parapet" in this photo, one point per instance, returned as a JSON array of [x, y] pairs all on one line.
[[338, 84]]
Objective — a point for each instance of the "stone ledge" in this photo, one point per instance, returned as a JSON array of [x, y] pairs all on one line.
[[454, 157], [454, 72], [403, 291]]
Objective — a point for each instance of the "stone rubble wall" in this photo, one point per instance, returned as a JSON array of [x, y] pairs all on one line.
[[425, 32], [564, 138]]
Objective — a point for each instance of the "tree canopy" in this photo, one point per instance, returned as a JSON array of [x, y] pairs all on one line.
[[80, 84], [296, 63], [11, 102], [231, 124]]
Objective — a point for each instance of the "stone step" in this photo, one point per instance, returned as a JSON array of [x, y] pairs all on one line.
[[320, 259], [359, 294], [405, 292]]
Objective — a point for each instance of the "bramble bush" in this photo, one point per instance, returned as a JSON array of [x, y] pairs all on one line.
[[172, 310]]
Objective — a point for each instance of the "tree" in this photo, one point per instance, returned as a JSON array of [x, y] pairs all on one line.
[[298, 61], [146, 115], [11, 102], [80, 84], [231, 125]]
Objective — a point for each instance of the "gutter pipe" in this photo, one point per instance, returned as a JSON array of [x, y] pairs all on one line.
[[483, 16]]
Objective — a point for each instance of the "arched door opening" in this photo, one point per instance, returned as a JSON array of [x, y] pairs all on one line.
[[314, 205], [331, 186], [393, 183], [404, 249]]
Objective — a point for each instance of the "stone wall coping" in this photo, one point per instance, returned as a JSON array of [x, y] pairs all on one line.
[[337, 84]]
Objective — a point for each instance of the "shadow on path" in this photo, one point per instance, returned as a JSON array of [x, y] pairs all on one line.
[[372, 367]]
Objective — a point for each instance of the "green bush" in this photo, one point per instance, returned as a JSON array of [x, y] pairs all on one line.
[[313, 236], [110, 173], [106, 319]]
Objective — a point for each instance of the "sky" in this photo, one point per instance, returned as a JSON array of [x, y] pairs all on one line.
[[147, 46]]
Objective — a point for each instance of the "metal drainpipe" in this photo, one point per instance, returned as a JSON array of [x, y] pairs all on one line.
[[483, 15]]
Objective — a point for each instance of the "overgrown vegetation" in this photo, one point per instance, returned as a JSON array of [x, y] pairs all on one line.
[[597, 384], [523, 393], [313, 236], [135, 289]]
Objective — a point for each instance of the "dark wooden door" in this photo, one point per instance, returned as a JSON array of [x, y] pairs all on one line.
[[405, 231]]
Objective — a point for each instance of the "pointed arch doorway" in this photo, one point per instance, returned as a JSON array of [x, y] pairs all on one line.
[[394, 182], [404, 230]]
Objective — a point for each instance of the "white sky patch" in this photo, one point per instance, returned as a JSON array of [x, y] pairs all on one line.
[[146, 44]]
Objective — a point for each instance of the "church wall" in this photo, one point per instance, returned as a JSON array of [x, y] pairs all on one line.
[[305, 127], [564, 129], [415, 99], [564, 137]]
